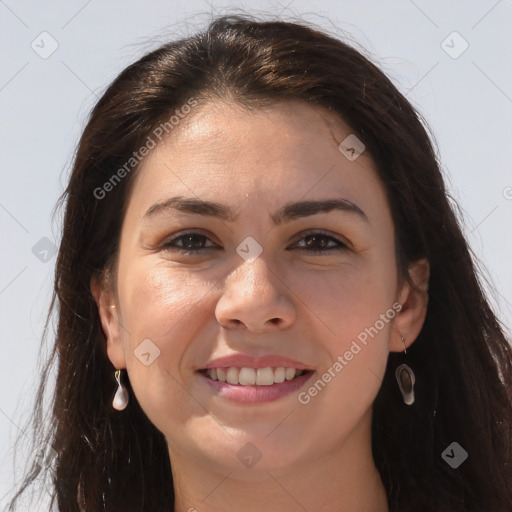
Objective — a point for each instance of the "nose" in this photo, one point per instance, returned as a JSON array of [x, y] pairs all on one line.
[[255, 298]]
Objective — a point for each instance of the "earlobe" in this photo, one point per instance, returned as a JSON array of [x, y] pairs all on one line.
[[414, 300], [110, 322]]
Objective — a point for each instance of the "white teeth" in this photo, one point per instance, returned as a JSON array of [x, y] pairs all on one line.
[[289, 373], [265, 377], [247, 376], [232, 376], [252, 376], [279, 374]]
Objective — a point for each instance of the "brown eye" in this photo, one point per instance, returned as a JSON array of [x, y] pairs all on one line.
[[318, 242], [188, 243], [315, 242]]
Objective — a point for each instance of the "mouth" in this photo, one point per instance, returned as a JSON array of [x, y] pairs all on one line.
[[254, 385], [246, 376]]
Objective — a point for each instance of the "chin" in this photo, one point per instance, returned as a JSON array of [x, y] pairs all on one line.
[[250, 457]]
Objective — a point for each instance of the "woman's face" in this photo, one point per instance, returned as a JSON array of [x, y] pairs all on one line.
[[276, 282]]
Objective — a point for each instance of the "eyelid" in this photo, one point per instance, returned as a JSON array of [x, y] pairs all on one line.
[[191, 231], [343, 243], [318, 231]]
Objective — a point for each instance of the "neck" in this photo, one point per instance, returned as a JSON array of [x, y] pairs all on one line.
[[345, 479]]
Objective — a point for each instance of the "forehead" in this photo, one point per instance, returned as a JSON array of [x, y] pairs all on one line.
[[281, 152], [287, 128]]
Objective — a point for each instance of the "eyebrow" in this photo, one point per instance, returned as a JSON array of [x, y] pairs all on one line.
[[290, 211]]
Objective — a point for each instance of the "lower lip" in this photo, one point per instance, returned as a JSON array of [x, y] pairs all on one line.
[[257, 394]]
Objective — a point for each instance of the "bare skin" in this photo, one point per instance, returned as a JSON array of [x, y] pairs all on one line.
[[307, 306]]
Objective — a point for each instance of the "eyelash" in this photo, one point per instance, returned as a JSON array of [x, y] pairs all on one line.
[[171, 244]]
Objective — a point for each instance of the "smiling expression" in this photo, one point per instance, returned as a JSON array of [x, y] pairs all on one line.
[[271, 184]]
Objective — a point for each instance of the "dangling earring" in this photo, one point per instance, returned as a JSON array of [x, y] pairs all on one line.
[[121, 399], [405, 379]]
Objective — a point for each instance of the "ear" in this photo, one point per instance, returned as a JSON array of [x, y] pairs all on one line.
[[108, 311], [409, 320]]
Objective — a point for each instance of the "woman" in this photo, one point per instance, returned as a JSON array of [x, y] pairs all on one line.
[[265, 299]]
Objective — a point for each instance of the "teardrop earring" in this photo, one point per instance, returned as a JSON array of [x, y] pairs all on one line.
[[121, 398], [405, 379]]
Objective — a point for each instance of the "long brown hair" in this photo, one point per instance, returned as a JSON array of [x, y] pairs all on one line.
[[112, 461]]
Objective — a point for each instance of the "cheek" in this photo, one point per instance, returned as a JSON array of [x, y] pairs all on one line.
[[158, 300], [344, 390], [158, 304], [346, 301], [355, 306], [347, 398]]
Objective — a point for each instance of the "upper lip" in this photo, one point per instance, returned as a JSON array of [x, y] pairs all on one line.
[[243, 360]]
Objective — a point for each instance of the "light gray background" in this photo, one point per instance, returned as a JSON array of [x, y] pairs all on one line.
[[44, 103]]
